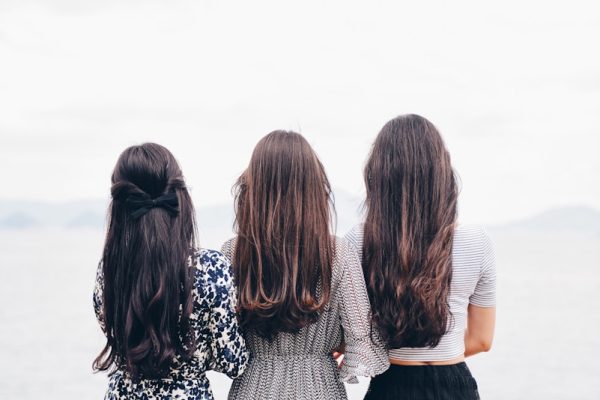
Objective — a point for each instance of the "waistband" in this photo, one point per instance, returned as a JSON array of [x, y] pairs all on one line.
[[288, 357], [426, 370]]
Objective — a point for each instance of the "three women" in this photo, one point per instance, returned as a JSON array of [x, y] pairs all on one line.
[[301, 292]]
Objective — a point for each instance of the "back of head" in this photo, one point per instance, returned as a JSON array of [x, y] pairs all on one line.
[[147, 297], [284, 248], [408, 232]]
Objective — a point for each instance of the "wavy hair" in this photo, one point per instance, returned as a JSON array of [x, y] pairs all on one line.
[[147, 297], [411, 211], [284, 249]]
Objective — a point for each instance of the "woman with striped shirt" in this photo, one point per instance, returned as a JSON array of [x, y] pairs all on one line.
[[431, 283]]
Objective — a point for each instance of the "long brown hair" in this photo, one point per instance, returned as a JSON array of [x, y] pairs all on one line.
[[147, 297], [283, 253], [411, 211]]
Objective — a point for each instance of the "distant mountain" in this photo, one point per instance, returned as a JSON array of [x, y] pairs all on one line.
[[573, 219], [92, 214], [17, 220], [87, 219], [57, 214], [217, 220]]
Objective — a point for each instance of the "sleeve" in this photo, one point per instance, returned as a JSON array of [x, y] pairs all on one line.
[[227, 346], [97, 297], [485, 290], [365, 353], [227, 249]]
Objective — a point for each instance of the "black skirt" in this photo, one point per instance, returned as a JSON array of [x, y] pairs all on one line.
[[427, 382]]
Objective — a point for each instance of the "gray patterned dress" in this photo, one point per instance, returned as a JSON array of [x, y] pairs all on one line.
[[300, 366]]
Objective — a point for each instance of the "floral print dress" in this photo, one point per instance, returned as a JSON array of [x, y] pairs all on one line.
[[220, 345]]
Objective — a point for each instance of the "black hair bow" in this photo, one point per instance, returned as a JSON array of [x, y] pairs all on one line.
[[141, 204]]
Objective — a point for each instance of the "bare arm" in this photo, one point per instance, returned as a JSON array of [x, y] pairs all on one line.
[[480, 329], [481, 312]]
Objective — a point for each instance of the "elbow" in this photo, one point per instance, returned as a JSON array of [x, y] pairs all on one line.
[[485, 345], [477, 345], [237, 370]]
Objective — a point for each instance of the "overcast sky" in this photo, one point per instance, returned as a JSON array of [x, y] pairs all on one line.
[[513, 86]]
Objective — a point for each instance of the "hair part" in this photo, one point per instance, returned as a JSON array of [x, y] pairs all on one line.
[[284, 249], [147, 297], [411, 212]]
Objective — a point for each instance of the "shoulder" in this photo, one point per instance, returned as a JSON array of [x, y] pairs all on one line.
[[345, 257], [228, 247], [473, 245], [207, 258], [472, 236], [343, 247], [212, 267], [355, 235]]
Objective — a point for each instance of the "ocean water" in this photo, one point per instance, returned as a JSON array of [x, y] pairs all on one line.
[[547, 344]]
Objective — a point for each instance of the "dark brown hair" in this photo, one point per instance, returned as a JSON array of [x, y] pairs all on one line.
[[408, 232], [283, 254], [147, 297]]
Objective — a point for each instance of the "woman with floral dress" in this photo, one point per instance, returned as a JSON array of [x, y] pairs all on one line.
[[166, 307]]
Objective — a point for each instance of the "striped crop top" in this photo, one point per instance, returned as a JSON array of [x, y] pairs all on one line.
[[473, 282]]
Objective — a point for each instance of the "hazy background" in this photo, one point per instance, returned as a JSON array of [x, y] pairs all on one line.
[[514, 87]]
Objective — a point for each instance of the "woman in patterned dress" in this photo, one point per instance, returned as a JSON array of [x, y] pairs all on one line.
[[167, 308], [301, 290]]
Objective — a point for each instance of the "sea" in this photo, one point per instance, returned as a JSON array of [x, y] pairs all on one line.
[[547, 342]]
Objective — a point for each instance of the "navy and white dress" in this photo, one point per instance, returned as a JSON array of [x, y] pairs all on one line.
[[220, 345]]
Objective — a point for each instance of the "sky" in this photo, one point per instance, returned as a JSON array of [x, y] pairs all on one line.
[[513, 86]]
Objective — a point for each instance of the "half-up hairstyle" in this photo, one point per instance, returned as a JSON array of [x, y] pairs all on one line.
[[411, 211], [147, 297], [284, 249]]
